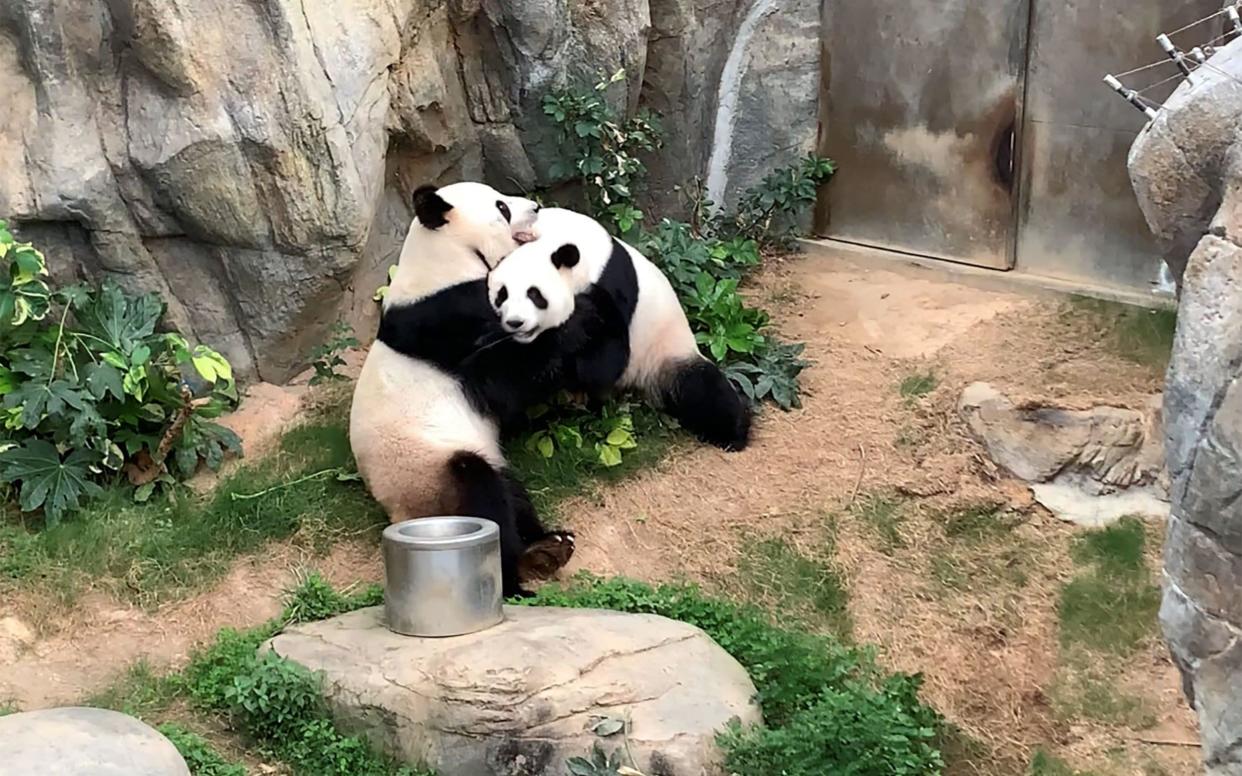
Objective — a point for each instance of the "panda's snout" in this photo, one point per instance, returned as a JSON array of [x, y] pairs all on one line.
[[514, 324]]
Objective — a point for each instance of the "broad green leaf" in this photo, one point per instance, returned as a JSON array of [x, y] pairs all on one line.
[[114, 359], [120, 320], [8, 381], [609, 455], [104, 379], [619, 437], [140, 355], [143, 492], [48, 482], [206, 368], [546, 447], [608, 726]]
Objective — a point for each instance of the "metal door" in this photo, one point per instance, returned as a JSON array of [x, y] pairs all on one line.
[[1078, 218], [920, 102]]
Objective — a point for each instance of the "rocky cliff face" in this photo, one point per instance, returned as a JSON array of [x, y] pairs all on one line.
[[251, 160], [1187, 171]]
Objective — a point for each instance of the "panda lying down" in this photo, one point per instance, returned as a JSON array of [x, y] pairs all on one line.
[[616, 322]]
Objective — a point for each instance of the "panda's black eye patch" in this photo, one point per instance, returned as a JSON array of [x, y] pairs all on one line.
[[504, 210], [501, 296], [536, 298]]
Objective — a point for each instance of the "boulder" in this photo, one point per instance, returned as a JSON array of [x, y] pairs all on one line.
[[84, 742], [524, 696], [1090, 467], [1186, 167]]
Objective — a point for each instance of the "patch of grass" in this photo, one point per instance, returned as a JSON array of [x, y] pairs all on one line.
[[571, 470], [827, 707], [918, 385], [1087, 690], [810, 591], [1141, 335], [314, 598], [149, 553], [977, 522], [1045, 764], [7, 708], [138, 692], [199, 755], [883, 516], [1111, 606], [1118, 548]]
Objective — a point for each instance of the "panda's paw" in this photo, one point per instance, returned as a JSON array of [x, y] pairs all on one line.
[[545, 557]]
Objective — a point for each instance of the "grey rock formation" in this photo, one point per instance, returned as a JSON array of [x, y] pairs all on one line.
[[522, 697], [252, 162], [1090, 467], [84, 742], [1185, 169]]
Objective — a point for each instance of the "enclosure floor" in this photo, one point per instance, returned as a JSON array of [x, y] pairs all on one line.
[[989, 656]]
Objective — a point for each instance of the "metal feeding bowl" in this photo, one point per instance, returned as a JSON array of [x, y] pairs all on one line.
[[442, 576]]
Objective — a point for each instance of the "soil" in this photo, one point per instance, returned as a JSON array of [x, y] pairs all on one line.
[[988, 653]]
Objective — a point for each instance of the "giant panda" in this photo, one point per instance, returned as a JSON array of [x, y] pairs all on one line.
[[637, 333], [425, 444]]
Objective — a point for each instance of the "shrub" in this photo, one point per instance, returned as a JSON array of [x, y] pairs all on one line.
[[90, 389]]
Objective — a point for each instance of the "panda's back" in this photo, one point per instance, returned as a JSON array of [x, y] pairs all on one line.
[[416, 413], [659, 332]]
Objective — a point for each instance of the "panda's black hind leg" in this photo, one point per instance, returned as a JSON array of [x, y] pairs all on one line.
[[545, 551], [484, 491], [707, 405]]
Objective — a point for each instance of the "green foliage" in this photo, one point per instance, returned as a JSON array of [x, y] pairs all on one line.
[[705, 265], [139, 692], [573, 467], [327, 357], [1111, 606], [1089, 690], [602, 149], [827, 707], [179, 541], [93, 387], [280, 704], [202, 759], [768, 212], [567, 426], [917, 385], [883, 515], [314, 598], [598, 764], [805, 589]]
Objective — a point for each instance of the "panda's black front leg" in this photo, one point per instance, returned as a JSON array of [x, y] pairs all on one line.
[[596, 345]]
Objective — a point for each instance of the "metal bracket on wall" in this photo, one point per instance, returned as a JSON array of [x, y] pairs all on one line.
[[1131, 96]]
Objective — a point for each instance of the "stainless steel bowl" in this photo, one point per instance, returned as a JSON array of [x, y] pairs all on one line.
[[442, 576]]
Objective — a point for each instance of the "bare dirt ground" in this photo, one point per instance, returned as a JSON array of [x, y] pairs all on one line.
[[989, 652]]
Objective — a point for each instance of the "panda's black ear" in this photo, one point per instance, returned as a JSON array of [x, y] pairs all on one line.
[[430, 207], [565, 256]]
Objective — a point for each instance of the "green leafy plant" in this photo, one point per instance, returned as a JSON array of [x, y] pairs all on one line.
[[198, 754], [568, 426], [705, 262], [88, 388], [327, 357], [600, 764], [382, 291], [768, 212], [603, 149]]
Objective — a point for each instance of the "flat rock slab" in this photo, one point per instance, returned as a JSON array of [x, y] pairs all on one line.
[[75, 741], [522, 697]]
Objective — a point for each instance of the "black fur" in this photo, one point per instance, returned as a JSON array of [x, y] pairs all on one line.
[[495, 495], [430, 207], [595, 342], [457, 330], [707, 405]]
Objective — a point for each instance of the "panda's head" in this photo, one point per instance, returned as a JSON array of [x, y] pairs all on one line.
[[529, 291], [476, 216]]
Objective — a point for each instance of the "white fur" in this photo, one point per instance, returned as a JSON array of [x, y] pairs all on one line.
[[660, 334], [408, 417], [529, 267]]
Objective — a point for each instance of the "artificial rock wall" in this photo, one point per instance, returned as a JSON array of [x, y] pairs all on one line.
[[1186, 168], [251, 160]]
